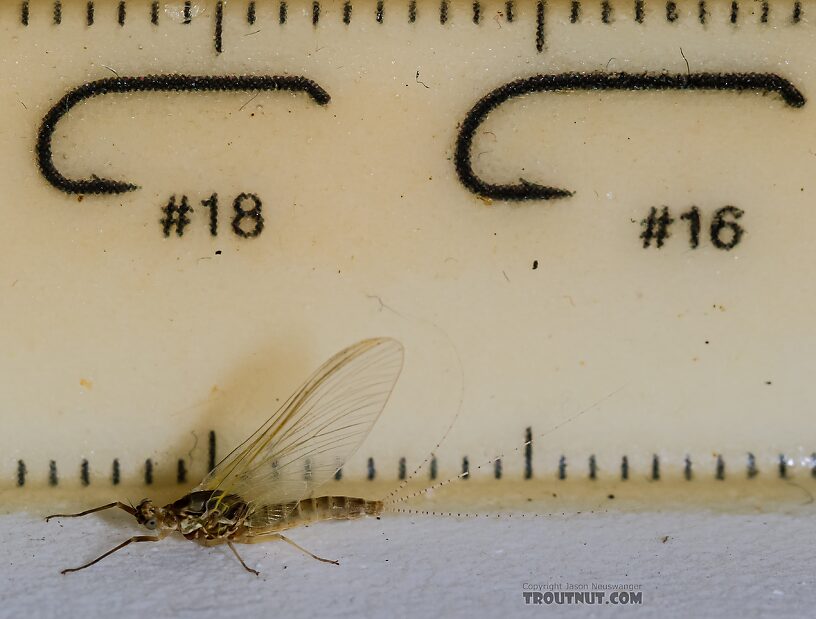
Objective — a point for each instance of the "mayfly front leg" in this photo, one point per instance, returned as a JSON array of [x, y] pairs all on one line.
[[132, 540], [121, 506]]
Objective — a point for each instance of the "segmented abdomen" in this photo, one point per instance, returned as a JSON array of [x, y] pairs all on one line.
[[329, 508]]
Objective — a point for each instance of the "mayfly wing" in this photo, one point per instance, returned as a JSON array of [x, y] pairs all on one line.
[[313, 434]]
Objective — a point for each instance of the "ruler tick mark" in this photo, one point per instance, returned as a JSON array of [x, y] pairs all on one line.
[[21, 473], [702, 12], [720, 473], [624, 468], [640, 11], [562, 467], [443, 12], [122, 13], [751, 467], [528, 453], [347, 12], [797, 12], [477, 12], [671, 11], [315, 12], [765, 9], [371, 472], [783, 467], [380, 11], [181, 471], [282, 12], [219, 26], [154, 13], [509, 9], [251, 13], [148, 472], [412, 11], [211, 459], [53, 480], [188, 12], [734, 11], [593, 467], [687, 473], [89, 14], [606, 12], [57, 12], [115, 472], [575, 12], [24, 13], [655, 468], [539, 34]]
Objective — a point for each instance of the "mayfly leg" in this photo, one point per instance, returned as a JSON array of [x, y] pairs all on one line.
[[256, 539], [122, 506], [132, 540], [303, 550], [237, 556]]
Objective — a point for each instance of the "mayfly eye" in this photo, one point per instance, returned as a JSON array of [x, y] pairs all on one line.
[[151, 524]]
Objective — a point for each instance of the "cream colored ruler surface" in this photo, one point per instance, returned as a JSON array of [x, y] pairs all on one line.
[[554, 206]]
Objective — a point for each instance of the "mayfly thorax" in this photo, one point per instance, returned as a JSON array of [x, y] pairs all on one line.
[[259, 490]]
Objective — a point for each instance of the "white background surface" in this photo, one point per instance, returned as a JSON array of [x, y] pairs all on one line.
[[711, 565]]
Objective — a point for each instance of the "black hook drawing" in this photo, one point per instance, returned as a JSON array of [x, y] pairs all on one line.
[[150, 83], [525, 190]]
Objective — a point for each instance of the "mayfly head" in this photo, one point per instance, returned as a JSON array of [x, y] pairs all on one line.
[[152, 517]]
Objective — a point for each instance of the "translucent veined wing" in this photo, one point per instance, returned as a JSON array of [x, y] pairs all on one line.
[[318, 428]]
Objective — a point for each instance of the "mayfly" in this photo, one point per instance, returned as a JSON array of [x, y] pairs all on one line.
[[267, 484]]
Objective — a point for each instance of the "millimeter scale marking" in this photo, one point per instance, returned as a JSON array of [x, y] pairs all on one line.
[[608, 11], [546, 202]]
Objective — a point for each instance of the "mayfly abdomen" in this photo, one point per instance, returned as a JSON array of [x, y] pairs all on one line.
[[331, 508]]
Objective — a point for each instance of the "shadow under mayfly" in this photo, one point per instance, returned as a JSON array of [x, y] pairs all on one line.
[[259, 490]]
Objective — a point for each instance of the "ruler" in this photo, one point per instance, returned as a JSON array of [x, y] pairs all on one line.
[[589, 223]]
